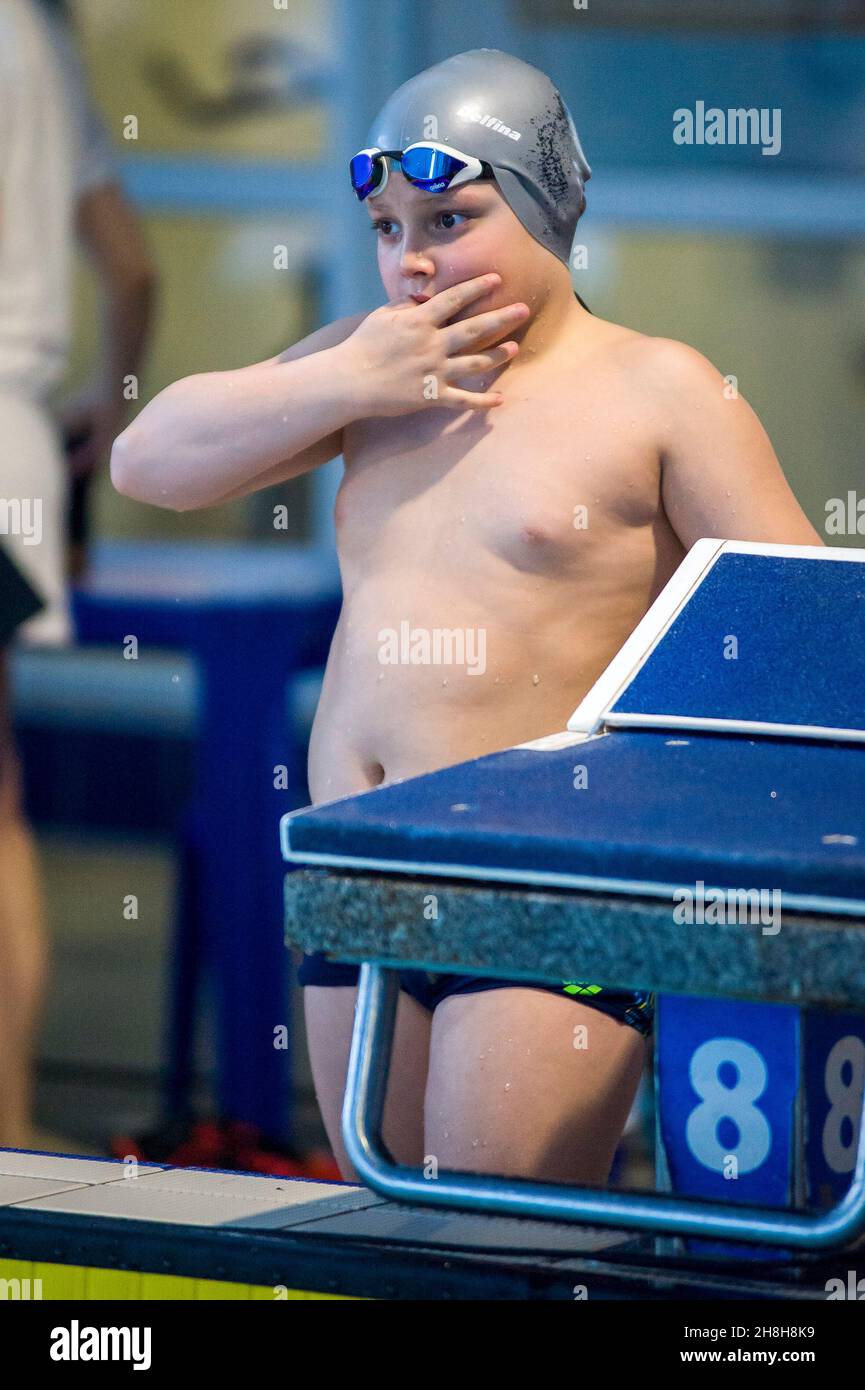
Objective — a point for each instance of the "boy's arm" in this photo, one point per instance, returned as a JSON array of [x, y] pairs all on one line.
[[720, 475], [325, 449], [217, 436]]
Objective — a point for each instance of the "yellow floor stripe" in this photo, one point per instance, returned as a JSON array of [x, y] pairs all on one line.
[[113, 1284], [21, 1279]]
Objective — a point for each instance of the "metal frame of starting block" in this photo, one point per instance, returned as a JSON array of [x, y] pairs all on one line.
[[658, 1213]]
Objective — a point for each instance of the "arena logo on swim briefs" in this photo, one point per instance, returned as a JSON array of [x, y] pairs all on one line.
[[438, 646], [700, 906], [736, 126], [21, 516], [77, 1343]]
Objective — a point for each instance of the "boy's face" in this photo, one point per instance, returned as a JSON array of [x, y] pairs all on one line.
[[429, 241]]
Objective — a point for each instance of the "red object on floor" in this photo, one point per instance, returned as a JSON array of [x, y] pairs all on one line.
[[224, 1144], [321, 1164]]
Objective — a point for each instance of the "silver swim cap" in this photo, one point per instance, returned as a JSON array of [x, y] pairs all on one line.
[[508, 113]]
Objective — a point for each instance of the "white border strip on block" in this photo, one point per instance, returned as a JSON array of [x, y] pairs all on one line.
[[623, 720], [550, 742], [285, 834], [540, 878], [589, 714], [794, 552]]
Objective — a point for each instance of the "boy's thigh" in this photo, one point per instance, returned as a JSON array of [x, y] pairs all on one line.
[[527, 1082], [329, 1012]]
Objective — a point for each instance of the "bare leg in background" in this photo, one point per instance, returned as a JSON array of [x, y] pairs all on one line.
[[23, 942]]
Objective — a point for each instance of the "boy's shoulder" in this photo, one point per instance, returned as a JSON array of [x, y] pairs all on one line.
[[661, 364]]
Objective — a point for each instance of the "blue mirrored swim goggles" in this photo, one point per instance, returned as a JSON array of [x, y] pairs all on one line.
[[426, 164]]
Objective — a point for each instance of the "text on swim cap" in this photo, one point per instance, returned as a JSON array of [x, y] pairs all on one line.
[[472, 113]]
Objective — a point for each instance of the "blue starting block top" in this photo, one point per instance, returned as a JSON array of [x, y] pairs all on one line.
[[652, 812], [642, 794], [746, 637]]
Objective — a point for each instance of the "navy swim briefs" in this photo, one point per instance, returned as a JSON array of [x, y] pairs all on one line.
[[634, 1008]]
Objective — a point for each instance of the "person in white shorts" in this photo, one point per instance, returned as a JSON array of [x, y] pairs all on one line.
[[57, 183]]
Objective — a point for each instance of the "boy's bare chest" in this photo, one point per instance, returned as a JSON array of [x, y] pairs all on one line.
[[536, 481]]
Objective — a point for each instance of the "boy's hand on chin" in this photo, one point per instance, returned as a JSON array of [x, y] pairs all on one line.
[[404, 357]]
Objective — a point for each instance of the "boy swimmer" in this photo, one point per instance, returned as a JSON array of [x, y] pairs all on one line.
[[516, 469]]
